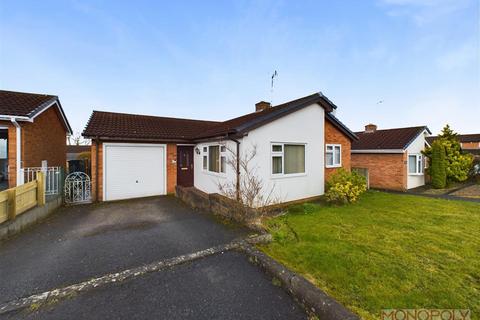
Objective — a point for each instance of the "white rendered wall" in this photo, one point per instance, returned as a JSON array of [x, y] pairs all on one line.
[[305, 126], [416, 147]]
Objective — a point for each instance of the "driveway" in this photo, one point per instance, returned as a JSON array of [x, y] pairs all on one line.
[[84, 242]]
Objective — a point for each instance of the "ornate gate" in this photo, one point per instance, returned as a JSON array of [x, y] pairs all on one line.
[[77, 188]]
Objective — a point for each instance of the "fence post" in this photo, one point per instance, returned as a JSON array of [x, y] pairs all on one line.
[[12, 203], [40, 188]]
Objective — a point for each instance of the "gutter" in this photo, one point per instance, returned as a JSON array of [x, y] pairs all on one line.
[[18, 142]]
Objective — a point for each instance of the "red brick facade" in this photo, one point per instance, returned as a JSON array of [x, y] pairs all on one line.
[[335, 136], [171, 169], [386, 171], [43, 139], [470, 145]]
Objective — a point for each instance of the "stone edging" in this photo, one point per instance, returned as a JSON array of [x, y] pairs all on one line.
[[312, 298]]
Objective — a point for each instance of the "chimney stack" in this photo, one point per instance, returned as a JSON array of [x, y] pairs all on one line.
[[370, 127], [262, 105]]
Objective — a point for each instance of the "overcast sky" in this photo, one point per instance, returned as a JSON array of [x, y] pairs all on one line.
[[391, 62]]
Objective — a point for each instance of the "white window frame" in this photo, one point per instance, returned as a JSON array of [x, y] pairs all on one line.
[[334, 165], [282, 155], [221, 154], [419, 168]]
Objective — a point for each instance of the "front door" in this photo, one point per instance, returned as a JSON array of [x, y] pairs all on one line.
[[185, 166]]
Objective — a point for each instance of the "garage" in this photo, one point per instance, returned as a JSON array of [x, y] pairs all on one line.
[[133, 170]]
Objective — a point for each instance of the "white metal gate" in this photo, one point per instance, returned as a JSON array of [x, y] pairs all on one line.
[[77, 188], [52, 177]]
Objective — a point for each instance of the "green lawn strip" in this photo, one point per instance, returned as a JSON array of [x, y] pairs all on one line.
[[386, 251]]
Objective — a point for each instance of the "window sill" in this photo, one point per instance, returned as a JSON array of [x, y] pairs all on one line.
[[290, 175], [215, 174], [333, 167], [415, 174]]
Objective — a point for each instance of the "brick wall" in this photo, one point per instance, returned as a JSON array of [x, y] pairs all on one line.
[[335, 136], [11, 153], [44, 139], [470, 145], [93, 150], [386, 171], [171, 169]]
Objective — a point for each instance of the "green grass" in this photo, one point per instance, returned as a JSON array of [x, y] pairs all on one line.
[[385, 251]]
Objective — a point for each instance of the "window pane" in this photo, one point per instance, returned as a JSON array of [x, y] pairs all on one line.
[[223, 164], [276, 165], [329, 148], [294, 159], [204, 162], [277, 148], [412, 164], [337, 155], [419, 164], [205, 149], [214, 158], [329, 158], [223, 149]]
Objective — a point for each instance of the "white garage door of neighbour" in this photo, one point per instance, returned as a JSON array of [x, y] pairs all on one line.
[[133, 170]]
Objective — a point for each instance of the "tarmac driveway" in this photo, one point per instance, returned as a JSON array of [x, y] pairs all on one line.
[[83, 242]]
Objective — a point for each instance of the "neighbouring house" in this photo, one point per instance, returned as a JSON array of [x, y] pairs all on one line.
[[393, 157], [78, 158], [33, 131], [73, 151], [469, 142], [298, 144]]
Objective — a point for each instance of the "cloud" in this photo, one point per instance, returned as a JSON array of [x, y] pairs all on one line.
[[424, 11], [461, 57]]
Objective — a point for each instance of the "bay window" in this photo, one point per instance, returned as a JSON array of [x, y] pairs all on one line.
[[288, 158]]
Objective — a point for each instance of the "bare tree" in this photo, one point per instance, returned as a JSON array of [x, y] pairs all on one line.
[[76, 139], [250, 193]]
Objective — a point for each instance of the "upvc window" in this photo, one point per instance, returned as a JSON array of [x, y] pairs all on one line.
[[333, 156], [415, 164], [215, 158], [287, 158]]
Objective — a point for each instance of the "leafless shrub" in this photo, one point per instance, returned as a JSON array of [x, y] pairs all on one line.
[[250, 193]]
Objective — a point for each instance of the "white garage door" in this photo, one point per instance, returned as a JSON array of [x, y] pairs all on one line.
[[133, 170]]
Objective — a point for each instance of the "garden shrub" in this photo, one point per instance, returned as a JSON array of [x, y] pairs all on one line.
[[438, 169], [345, 187], [457, 163]]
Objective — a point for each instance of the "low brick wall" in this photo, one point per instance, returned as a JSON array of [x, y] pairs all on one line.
[[215, 203]]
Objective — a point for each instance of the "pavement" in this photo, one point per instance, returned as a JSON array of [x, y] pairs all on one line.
[[82, 242]]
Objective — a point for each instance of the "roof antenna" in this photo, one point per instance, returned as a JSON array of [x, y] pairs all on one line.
[[274, 75]]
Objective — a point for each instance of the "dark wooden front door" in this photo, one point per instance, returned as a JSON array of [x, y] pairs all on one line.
[[185, 166]]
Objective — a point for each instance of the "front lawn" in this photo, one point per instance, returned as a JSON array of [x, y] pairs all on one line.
[[386, 251]]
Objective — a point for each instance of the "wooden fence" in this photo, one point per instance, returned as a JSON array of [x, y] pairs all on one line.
[[16, 201]]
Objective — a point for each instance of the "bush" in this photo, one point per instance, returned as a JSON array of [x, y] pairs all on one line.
[[438, 169], [457, 163], [345, 187]]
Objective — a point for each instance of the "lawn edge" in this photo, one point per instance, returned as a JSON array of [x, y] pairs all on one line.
[[313, 299]]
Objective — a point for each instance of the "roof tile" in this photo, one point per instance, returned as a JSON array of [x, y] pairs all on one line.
[[388, 139]]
